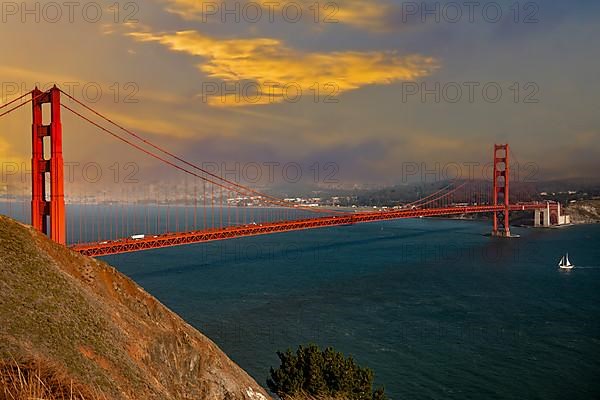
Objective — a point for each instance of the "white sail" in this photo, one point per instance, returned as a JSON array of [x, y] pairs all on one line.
[[565, 263]]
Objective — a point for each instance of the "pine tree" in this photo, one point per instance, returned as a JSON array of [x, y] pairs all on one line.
[[322, 373]]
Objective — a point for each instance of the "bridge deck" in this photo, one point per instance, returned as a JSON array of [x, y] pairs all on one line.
[[177, 239]]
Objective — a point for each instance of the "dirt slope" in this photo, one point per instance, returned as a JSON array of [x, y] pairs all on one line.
[[105, 331]]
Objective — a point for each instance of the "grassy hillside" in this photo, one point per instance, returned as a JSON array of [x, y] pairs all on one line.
[[86, 325]]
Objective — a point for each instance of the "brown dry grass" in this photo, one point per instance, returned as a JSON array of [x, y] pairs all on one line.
[[36, 380]]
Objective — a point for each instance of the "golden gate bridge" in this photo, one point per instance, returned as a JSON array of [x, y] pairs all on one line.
[[49, 212]]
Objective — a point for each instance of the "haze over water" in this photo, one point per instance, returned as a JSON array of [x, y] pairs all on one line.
[[434, 307]]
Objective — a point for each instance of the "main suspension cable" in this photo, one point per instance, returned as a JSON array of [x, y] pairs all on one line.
[[20, 105], [241, 188]]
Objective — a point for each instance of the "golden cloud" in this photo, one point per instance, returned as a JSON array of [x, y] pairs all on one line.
[[369, 15], [274, 69]]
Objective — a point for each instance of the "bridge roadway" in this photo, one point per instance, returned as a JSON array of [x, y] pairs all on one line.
[[128, 245]]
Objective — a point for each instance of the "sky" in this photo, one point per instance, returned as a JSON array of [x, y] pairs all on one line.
[[367, 86]]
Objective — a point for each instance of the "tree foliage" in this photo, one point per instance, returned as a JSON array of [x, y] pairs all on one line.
[[319, 372]]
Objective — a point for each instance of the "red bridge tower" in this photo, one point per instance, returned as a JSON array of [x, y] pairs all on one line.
[[47, 204], [501, 190]]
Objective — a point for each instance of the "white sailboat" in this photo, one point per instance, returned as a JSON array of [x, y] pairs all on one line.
[[565, 263]]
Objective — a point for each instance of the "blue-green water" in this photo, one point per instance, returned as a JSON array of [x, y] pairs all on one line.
[[435, 308]]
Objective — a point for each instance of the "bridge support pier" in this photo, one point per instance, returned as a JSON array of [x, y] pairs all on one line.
[[47, 203], [501, 192], [550, 216], [542, 218]]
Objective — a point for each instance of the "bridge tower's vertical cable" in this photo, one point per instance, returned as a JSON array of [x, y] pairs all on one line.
[[134, 215], [471, 193], [483, 193], [221, 208], [124, 215], [228, 210], [113, 224], [96, 229], [176, 210], [195, 205], [99, 213], [204, 220], [168, 204], [185, 204], [212, 206], [237, 211], [157, 229], [104, 213], [80, 221], [91, 227], [121, 219], [69, 224]]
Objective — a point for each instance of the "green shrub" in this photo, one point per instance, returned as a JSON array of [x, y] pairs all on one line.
[[322, 373]]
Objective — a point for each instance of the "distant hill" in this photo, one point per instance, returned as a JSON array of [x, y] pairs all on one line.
[[82, 326], [584, 212]]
